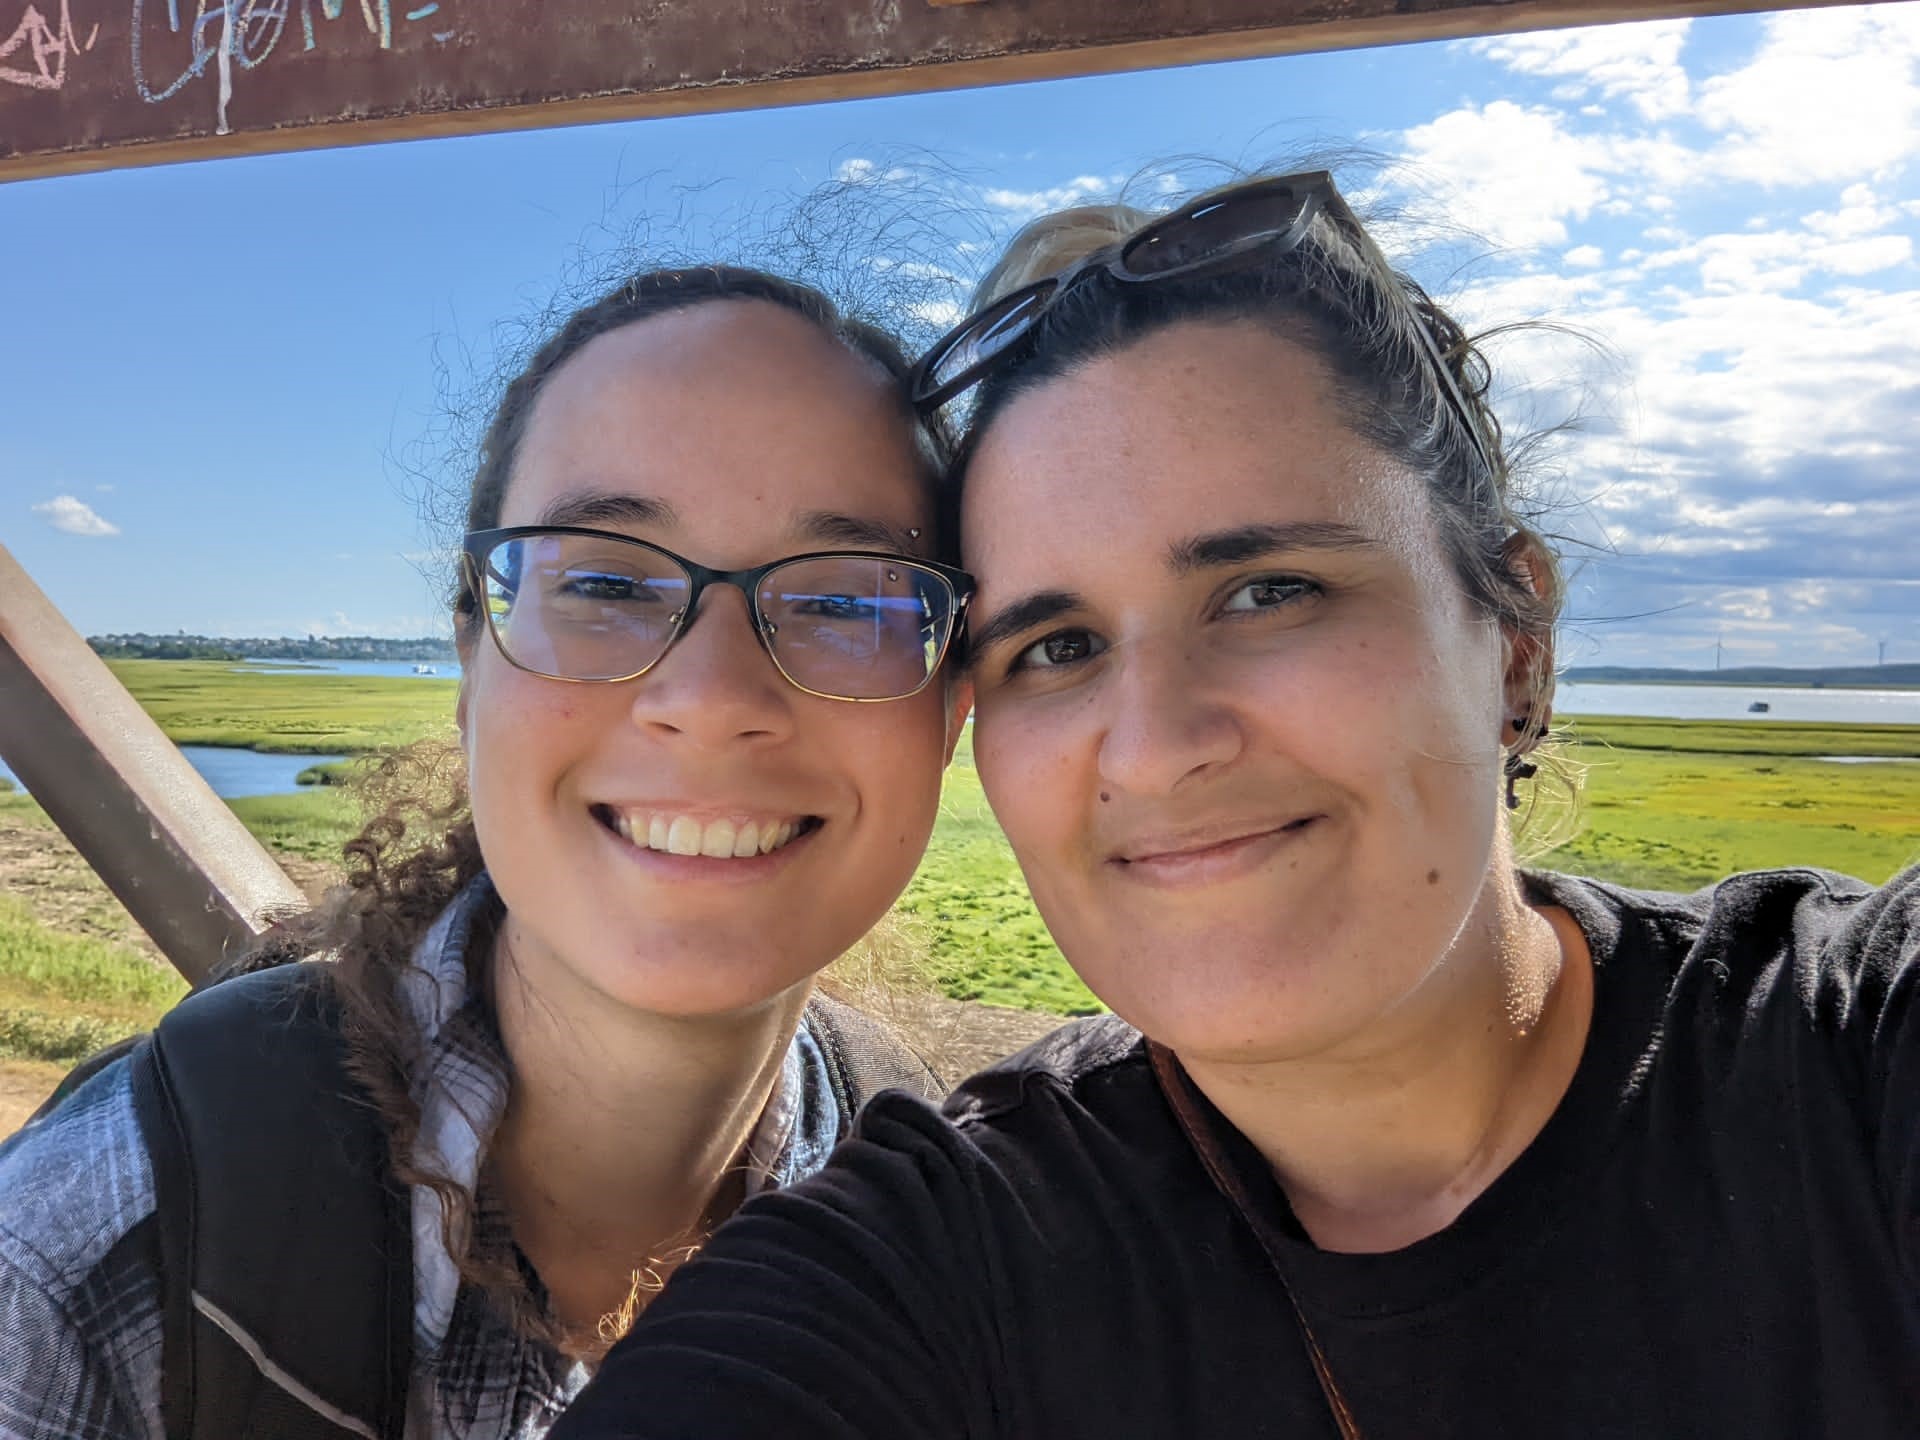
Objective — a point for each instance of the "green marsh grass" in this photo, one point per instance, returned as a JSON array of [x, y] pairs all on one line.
[[1668, 804], [206, 702], [63, 996]]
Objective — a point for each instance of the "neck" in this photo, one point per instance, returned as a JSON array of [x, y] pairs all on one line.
[[1385, 1139], [622, 1138]]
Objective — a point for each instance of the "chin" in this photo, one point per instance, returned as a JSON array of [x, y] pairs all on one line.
[[689, 984], [1242, 1009]]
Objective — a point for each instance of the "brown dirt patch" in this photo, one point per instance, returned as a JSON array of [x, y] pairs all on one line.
[[42, 870], [962, 1036], [23, 1085]]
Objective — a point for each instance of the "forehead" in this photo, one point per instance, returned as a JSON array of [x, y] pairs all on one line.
[[726, 405], [1195, 428]]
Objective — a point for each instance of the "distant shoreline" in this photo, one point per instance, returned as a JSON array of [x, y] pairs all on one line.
[[1836, 677], [1740, 684], [314, 650]]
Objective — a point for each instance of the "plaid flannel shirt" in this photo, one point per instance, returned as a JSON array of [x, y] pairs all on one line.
[[80, 1315]]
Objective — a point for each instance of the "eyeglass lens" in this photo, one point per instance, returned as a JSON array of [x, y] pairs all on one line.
[[579, 607]]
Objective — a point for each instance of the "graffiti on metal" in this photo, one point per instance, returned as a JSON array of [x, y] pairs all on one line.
[[168, 45]]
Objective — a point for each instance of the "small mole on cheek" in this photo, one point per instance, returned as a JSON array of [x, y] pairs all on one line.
[[1105, 798], [1433, 877]]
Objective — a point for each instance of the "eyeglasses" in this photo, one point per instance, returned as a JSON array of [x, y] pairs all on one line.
[[1249, 226], [590, 605]]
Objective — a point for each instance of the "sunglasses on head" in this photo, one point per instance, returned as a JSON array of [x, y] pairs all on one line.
[[1248, 226]]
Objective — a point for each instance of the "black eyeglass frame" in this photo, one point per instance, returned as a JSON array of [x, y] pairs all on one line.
[[478, 544], [1315, 191]]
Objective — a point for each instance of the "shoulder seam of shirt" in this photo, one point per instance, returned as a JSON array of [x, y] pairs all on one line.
[[56, 1295], [982, 1110]]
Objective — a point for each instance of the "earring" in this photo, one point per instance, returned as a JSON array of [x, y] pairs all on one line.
[[1518, 767]]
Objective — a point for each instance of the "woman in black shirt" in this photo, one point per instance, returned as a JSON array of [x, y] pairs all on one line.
[[1385, 1137]]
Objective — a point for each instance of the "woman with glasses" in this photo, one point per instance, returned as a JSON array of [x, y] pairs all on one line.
[[1386, 1137], [702, 616]]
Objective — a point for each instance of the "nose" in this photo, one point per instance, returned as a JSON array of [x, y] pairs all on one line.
[[1164, 723], [717, 685]]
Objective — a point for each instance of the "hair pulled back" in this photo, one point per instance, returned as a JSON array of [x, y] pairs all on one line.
[[420, 849], [1338, 296]]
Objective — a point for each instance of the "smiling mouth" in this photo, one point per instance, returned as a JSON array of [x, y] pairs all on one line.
[[1176, 851], [728, 839]]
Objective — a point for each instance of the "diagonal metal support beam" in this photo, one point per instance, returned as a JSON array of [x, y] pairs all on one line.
[[167, 846]]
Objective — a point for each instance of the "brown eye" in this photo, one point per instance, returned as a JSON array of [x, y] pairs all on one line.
[[1060, 649], [1269, 593]]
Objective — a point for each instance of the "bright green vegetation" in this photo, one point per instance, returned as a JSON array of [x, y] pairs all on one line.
[[314, 824], [1669, 804], [336, 772], [207, 703], [63, 996], [970, 901], [1674, 819], [1747, 737]]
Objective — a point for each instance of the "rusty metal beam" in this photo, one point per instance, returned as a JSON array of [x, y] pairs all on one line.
[[94, 84], [167, 846]]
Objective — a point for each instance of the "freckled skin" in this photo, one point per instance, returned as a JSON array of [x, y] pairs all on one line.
[[741, 417], [1375, 710]]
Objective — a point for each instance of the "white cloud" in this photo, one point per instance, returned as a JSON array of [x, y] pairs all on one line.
[[1637, 63], [861, 171], [1585, 257], [1521, 175], [1830, 95], [941, 314], [1027, 204], [74, 517]]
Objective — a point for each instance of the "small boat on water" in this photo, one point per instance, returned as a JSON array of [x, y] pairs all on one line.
[[1759, 707], [425, 670]]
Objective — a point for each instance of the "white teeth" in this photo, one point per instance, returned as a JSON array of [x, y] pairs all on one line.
[[716, 839]]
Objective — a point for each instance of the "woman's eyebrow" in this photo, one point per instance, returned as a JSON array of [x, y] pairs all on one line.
[[832, 527], [1249, 542], [1023, 614], [608, 507]]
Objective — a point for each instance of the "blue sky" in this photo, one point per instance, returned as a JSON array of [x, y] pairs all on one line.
[[227, 384]]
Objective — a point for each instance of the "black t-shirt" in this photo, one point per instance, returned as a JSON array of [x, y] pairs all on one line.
[[1716, 1234]]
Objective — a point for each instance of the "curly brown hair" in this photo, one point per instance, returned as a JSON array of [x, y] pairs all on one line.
[[419, 849]]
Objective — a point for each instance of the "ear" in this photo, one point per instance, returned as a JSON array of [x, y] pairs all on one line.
[[959, 706], [1525, 657], [463, 697]]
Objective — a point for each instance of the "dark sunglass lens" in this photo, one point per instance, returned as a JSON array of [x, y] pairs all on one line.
[[992, 331], [857, 627], [1184, 242], [580, 607]]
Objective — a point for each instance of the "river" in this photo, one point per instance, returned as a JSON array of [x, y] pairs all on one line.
[[1731, 702], [234, 774]]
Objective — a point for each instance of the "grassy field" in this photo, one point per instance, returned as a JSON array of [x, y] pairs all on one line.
[[1677, 819], [207, 702], [1668, 804]]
